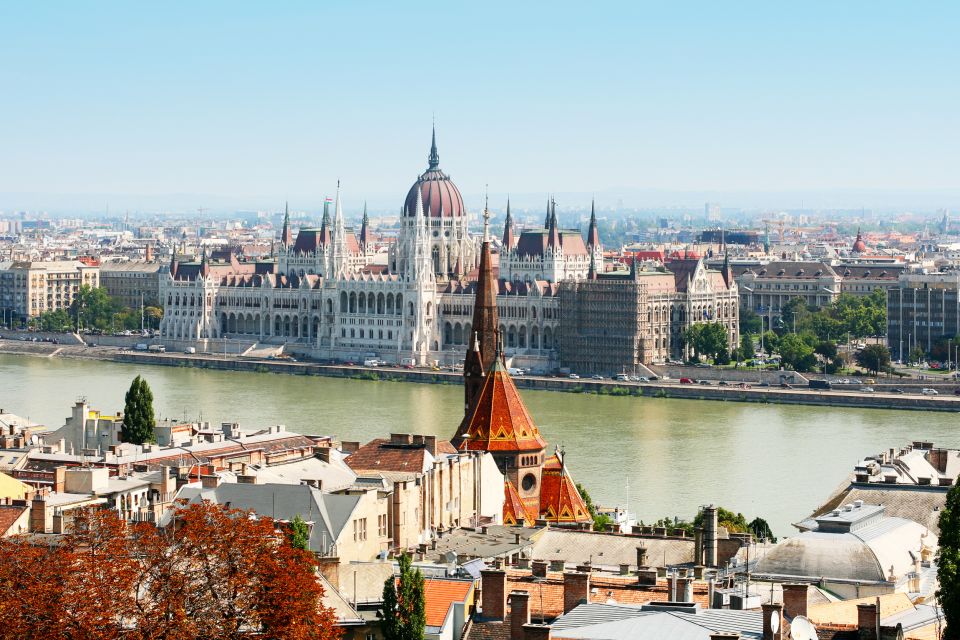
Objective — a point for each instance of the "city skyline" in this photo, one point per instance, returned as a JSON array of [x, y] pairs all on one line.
[[826, 106]]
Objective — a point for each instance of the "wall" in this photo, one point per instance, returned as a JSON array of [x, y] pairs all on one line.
[[731, 375]]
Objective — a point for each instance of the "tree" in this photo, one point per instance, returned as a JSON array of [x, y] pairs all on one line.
[[761, 530], [601, 522], [917, 355], [707, 338], [299, 534], [750, 322], [770, 342], [948, 564], [796, 354], [874, 357], [747, 348], [214, 573], [153, 316], [404, 604], [138, 417], [793, 313]]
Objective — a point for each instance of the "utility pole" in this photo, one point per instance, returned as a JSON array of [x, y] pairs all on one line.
[[141, 313]]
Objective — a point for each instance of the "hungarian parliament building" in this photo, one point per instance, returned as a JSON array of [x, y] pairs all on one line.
[[328, 296]]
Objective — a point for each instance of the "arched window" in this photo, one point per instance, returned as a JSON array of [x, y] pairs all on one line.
[[522, 338], [399, 306], [411, 309], [353, 302], [390, 303], [329, 305], [362, 304], [343, 302], [447, 333], [534, 338], [380, 304], [371, 303], [458, 334]]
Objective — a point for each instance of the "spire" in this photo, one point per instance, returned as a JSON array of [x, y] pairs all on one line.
[[508, 230], [593, 236], [286, 236], [486, 216], [546, 221], [364, 229], [553, 233], [434, 159], [481, 354], [727, 272]]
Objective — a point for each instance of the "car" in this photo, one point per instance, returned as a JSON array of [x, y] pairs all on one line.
[[743, 385], [866, 389], [408, 366], [655, 378], [596, 377], [702, 365], [929, 392], [622, 377], [896, 390], [686, 381], [704, 382], [573, 376], [641, 379], [763, 384], [785, 385], [723, 383]]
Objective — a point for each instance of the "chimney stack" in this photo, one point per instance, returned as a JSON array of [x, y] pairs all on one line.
[[795, 599], [519, 613], [710, 526], [576, 589], [536, 632], [641, 557], [868, 620], [493, 586], [539, 568], [771, 612]]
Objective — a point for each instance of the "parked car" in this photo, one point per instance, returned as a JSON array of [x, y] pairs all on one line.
[[640, 379], [622, 377], [929, 392], [896, 390], [596, 376], [686, 381], [763, 384], [866, 389], [704, 382], [573, 376]]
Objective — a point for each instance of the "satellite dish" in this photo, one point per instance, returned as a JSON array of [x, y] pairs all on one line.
[[802, 629], [775, 621]]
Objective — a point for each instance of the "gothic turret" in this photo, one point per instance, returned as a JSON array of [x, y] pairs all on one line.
[[508, 238], [286, 236], [365, 230], [483, 344], [593, 236]]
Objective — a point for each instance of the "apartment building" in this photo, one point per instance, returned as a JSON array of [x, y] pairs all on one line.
[[28, 289]]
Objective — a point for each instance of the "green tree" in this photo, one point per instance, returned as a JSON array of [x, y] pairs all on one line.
[[874, 357], [796, 354], [948, 564], [747, 348], [794, 314], [750, 322], [152, 317], [299, 534], [707, 339], [601, 521], [761, 530], [404, 605], [93, 308], [138, 417], [771, 341], [587, 500], [917, 355], [735, 522]]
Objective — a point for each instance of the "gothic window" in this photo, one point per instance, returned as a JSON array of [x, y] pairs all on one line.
[[380, 303], [399, 306], [458, 334], [389, 303], [353, 302], [447, 333], [363, 303], [522, 338], [343, 302]]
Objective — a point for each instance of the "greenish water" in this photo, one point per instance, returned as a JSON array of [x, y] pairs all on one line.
[[658, 456]]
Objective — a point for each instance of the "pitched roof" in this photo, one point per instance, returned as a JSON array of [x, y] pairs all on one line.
[[9, 514], [559, 499], [440, 594], [499, 420], [515, 512], [381, 455]]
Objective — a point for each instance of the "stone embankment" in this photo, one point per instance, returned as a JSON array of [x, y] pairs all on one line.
[[946, 401]]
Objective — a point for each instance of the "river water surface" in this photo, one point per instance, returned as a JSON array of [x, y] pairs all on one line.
[[657, 456]]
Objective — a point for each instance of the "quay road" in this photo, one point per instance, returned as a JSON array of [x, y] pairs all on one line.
[[837, 397]]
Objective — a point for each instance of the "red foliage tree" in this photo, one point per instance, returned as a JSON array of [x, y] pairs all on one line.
[[214, 572]]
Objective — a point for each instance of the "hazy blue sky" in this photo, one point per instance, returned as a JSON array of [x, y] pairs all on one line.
[[279, 99]]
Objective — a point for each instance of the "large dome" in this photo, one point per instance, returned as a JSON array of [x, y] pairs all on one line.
[[441, 198]]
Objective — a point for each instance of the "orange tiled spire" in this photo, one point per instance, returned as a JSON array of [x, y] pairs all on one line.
[[498, 420], [515, 512], [560, 502]]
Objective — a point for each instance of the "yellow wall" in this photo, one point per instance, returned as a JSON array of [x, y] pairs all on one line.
[[12, 488]]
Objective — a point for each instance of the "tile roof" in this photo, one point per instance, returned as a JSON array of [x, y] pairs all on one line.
[[499, 421], [559, 499], [9, 514], [380, 455], [440, 595]]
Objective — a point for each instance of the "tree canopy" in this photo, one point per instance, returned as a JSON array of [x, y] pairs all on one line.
[[404, 604], [948, 564], [874, 357], [216, 573], [707, 339], [138, 417]]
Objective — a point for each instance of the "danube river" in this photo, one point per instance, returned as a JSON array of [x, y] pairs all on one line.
[[657, 456]]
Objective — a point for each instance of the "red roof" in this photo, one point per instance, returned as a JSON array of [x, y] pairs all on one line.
[[499, 420], [440, 594], [9, 514], [559, 499], [515, 512]]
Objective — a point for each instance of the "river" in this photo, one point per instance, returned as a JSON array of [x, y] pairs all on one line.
[[660, 457]]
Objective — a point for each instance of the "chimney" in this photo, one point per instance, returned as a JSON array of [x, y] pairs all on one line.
[[624, 568], [868, 620], [401, 438], [647, 576], [38, 513], [710, 536], [59, 479], [536, 632], [210, 481], [329, 568], [430, 444], [684, 590], [349, 447], [493, 587], [795, 599], [539, 568], [576, 589], [519, 613], [641, 557], [771, 612]]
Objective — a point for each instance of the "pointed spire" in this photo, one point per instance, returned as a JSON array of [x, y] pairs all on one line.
[[286, 235], [553, 233], [486, 215], [593, 236], [434, 159], [364, 229], [508, 230], [546, 221]]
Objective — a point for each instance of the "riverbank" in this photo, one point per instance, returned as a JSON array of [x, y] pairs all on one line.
[[660, 389]]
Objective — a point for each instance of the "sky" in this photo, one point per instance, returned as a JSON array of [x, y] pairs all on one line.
[[259, 102]]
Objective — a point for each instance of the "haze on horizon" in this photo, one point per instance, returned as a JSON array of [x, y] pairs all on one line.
[[247, 103]]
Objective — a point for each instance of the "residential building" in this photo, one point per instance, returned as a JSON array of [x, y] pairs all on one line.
[[132, 283], [28, 289], [766, 288]]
